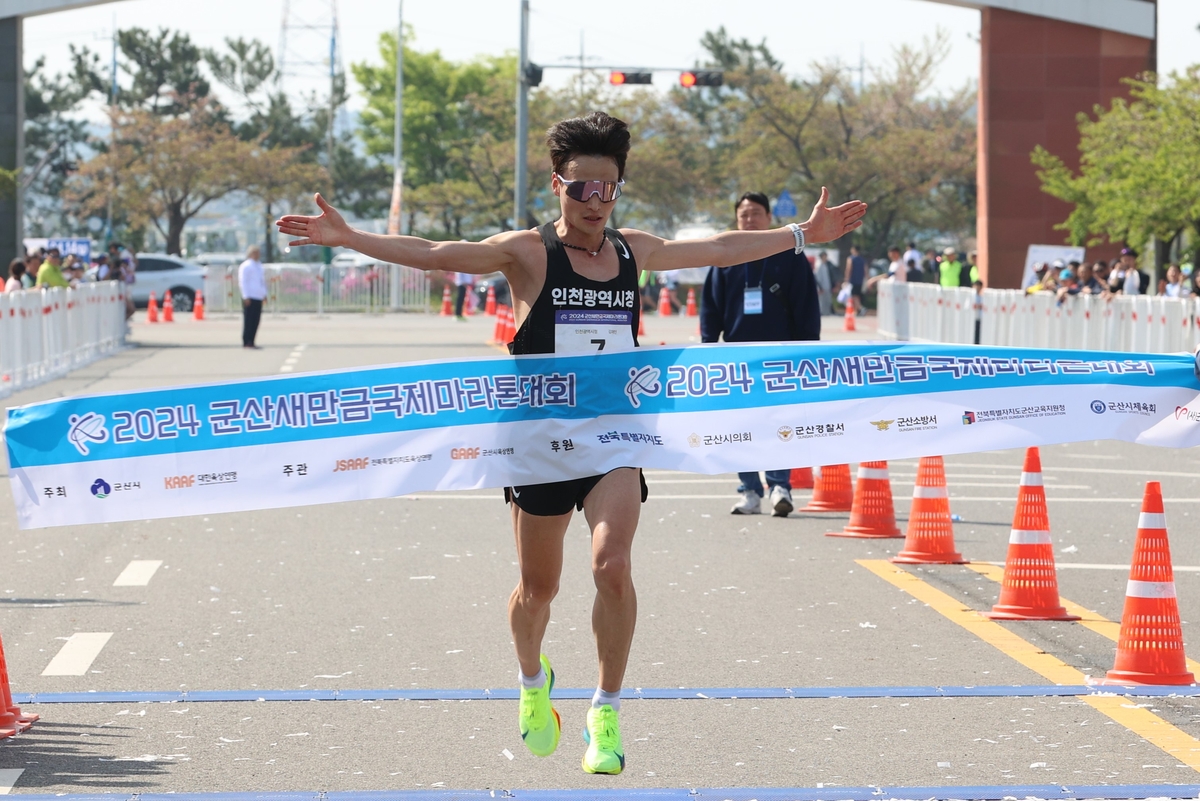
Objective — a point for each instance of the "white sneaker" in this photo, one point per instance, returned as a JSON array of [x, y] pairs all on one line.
[[750, 504], [781, 501]]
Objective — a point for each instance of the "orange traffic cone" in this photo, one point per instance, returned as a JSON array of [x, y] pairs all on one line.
[[168, 308], [833, 491], [664, 303], [872, 515], [510, 327], [152, 310], [198, 306], [1030, 587], [848, 322], [929, 539], [447, 304], [641, 323], [802, 478], [498, 330], [692, 311], [12, 720], [1150, 648], [489, 306]]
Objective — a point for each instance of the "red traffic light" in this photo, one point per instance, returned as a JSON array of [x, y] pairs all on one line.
[[687, 79], [616, 78], [693, 78], [621, 77]]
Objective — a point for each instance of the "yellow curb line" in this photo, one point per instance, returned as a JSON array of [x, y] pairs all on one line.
[[1142, 722]]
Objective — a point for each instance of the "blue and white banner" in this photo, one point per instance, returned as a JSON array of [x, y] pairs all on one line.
[[454, 425]]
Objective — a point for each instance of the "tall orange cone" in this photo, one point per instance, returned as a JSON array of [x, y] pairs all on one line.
[[198, 306], [833, 491], [498, 330], [12, 720], [447, 304], [692, 311], [802, 478], [872, 515], [664, 303], [489, 306], [848, 321], [168, 308], [510, 327], [929, 539], [1150, 647], [1030, 587], [152, 310], [641, 324]]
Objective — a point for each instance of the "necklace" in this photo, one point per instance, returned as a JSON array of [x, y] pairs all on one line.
[[595, 252]]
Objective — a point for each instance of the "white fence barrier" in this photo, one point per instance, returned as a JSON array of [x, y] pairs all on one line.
[[1009, 317], [46, 333], [324, 288]]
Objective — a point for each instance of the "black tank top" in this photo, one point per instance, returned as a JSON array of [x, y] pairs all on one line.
[[566, 292]]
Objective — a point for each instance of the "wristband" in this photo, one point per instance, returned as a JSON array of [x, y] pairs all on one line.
[[798, 234]]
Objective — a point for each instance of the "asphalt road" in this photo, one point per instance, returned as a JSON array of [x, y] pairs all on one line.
[[410, 594]]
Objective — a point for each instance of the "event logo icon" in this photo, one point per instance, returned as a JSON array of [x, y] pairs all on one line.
[[785, 433], [1099, 406], [100, 488], [1184, 413], [642, 382], [85, 429], [968, 418], [882, 425], [694, 440]]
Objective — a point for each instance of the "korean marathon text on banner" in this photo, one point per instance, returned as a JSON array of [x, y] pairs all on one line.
[[455, 425]]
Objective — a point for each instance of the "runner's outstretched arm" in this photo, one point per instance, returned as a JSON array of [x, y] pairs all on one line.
[[825, 224], [331, 230]]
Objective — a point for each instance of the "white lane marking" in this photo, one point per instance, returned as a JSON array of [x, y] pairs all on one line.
[[289, 363], [8, 779], [77, 654], [287, 368], [138, 573]]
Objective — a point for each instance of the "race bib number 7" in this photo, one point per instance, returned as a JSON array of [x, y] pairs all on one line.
[[592, 331]]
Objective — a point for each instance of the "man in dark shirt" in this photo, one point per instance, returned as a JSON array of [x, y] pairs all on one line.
[[773, 300], [856, 274]]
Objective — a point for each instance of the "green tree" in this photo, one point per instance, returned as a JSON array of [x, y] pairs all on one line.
[[163, 70], [1138, 165]]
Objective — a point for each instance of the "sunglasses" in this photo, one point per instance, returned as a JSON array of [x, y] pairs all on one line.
[[583, 190]]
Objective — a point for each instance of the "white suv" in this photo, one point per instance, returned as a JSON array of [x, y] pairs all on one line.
[[159, 273]]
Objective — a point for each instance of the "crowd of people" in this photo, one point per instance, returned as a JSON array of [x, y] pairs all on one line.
[[1122, 276], [48, 268]]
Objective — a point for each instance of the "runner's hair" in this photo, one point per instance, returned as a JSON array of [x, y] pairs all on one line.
[[597, 134]]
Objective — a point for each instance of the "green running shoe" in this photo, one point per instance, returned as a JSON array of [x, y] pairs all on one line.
[[540, 724], [603, 736]]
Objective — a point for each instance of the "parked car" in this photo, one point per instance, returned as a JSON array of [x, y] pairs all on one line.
[[159, 273]]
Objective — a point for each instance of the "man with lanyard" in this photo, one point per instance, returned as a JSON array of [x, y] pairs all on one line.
[[770, 300], [549, 270]]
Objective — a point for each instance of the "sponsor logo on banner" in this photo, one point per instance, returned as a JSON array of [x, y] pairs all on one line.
[[785, 433], [464, 453], [694, 440], [882, 425], [1014, 413], [642, 381], [1124, 407], [178, 482], [919, 422], [720, 439], [631, 436], [86, 428], [819, 431], [419, 457], [101, 488], [361, 463], [561, 445], [208, 479], [1184, 413]]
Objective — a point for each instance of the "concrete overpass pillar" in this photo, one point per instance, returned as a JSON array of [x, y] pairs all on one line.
[[12, 135]]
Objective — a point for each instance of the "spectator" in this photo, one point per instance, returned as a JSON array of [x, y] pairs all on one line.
[[462, 284], [970, 271], [16, 270], [913, 255], [1173, 285], [103, 270], [1083, 284], [1100, 270], [930, 266], [897, 271], [253, 286], [772, 300], [32, 262], [978, 307], [50, 273], [1133, 280], [915, 275], [1048, 283], [1194, 283], [856, 273], [950, 270], [823, 275]]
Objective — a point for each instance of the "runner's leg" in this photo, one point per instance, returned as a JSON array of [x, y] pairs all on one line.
[[540, 555], [612, 509]]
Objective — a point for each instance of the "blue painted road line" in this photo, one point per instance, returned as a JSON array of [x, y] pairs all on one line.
[[576, 694], [997, 793]]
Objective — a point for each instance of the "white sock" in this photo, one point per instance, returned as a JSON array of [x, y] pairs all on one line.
[[532, 682], [602, 698]]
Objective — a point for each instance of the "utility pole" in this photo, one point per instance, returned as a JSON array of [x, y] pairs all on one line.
[[112, 105], [519, 194], [394, 224]]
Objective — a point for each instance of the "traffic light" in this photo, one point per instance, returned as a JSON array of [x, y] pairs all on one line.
[[620, 78], [701, 78], [533, 74]]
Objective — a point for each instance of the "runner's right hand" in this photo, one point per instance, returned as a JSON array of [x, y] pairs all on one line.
[[327, 229]]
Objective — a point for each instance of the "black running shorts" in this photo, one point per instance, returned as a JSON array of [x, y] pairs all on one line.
[[558, 497]]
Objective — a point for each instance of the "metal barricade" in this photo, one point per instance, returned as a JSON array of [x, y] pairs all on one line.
[[321, 288]]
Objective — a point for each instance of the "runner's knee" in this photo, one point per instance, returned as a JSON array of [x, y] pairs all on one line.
[[612, 572], [537, 593]]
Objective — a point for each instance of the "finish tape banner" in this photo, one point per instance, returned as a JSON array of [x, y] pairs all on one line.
[[457, 425]]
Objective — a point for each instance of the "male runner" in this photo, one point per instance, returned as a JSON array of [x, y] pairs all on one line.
[[548, 270]]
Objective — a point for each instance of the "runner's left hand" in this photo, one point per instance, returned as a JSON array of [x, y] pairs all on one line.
[[827, 224]]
